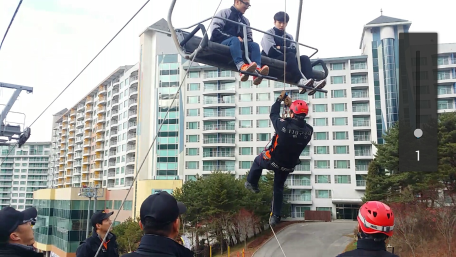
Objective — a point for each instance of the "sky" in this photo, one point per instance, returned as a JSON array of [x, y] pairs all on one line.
[[50, 41]]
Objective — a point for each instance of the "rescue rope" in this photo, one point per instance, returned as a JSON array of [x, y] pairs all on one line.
[[159, 129], [284, 107]]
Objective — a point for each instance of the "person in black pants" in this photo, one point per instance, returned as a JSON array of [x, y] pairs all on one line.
[[285, 50], [291, 137]]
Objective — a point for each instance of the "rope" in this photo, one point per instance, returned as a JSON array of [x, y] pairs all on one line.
[[9, 152], [156, 135], [272, 229], [11, 22], [90, 62]]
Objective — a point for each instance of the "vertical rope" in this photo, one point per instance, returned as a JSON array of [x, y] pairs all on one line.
[[284, 111]]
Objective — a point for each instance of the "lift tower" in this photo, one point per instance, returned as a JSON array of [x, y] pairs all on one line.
[[13, 131]]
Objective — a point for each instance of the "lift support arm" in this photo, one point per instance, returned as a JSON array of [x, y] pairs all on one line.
[[11, 130]]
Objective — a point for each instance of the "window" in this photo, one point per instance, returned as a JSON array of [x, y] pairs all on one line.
[[245, 164], [245, 137], [340, 135], [320, 121], [192, 151], [193, 86], [263, 124], [341, 164], [191, 165], [323, 194], [263, 136], [358, 79], [321, 136], [263, 109], [339, 107], [193, 99], [340, 121], [319, 95], [337, 66], [193, 74], [245, 97], [323, 179], [245, 124], [338, 80], [321, 149], [342, 179], [321, 164], [193, 125], [245, 84], [262, 96], [192, 138], [320, 108], [358, 65], [245, 150], [245, 110], [192, 112], [341, 149], [339, 93]]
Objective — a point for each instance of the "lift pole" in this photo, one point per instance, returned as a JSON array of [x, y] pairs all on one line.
[[7, 130], [90, 192]]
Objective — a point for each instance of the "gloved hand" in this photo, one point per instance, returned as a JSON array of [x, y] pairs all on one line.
[[287, 101], [283, 95]]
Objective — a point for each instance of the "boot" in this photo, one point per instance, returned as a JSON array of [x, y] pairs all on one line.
[[251, 187], [274, 220], [263, 71]]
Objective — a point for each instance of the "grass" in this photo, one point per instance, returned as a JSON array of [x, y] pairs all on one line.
[[350, 246]]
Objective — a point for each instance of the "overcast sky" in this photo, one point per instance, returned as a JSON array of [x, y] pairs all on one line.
[[50, 41]]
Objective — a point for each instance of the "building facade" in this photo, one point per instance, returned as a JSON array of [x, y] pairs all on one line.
[[23, 171], [94, 142]]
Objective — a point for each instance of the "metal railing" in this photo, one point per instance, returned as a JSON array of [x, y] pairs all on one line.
[[300, 198], [218, 141], [218, 127], [219, 154], [220, 114]]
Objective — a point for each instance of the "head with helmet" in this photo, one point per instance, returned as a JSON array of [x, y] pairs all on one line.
[[375, 221], [299, 109]]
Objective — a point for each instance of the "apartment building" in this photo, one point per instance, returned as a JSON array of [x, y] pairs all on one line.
[[93, 142], [23, 171]]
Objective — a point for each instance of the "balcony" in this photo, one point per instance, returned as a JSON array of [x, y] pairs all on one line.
[[360, 185], [219, 102], [132, 102], [219, 155], [212, 168], [360, 109], [131, 136], [133, 91], [362, 138], [221, 76], [218, 128], [361, 123], [230, 141], [363, 153], [132, 114], [133, 79], [225, 115], [229, 88]]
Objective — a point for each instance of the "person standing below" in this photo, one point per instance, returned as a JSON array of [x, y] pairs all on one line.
[[160, 221], [375, 225], [16, 233], [232, 35], [100, 222], [291, 137], [285, 50]]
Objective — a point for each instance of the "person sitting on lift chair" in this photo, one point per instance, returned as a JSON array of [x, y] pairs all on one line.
[[232, 35], [291, 137], [276, 48]]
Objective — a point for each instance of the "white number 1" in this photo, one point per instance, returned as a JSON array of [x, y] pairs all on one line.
[[418, 154]]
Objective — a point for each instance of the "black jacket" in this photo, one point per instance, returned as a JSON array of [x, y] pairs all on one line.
[[159, 246], [221, 29], [290, 139], [89, 247], [368, 247], [16, 250]]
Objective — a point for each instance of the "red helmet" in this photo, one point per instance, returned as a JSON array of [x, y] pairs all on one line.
[[376, 217], [299, 107]]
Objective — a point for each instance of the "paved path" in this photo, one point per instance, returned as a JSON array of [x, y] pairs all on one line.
[[313, 239]]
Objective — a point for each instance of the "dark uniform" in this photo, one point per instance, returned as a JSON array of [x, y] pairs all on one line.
[[290, 138], [89, 247], [368, 247], [159, 246]]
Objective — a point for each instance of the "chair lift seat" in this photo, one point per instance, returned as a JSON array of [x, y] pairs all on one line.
[[218, 55]]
